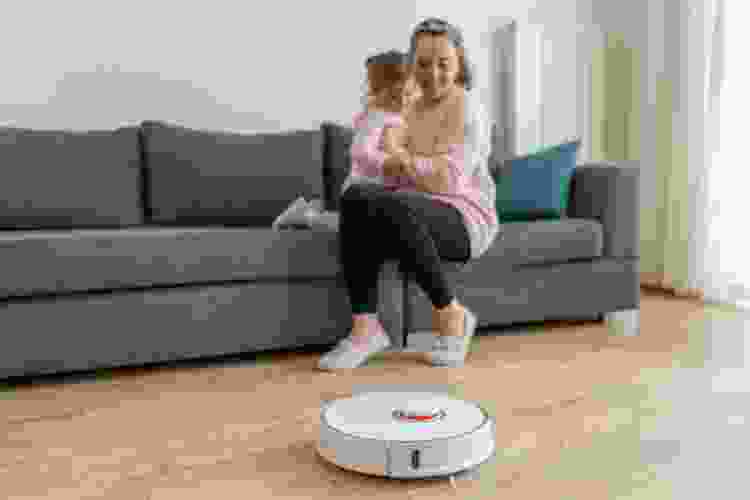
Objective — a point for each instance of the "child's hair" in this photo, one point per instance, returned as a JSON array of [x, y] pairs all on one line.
[[386, 69]]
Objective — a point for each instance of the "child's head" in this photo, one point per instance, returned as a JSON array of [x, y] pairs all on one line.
[[389, 79]]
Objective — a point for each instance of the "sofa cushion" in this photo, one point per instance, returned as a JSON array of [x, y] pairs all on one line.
[[52, 262], [521, 244], [536, 186], [63, 178], [337, 162], [199, 177], [546, 242]]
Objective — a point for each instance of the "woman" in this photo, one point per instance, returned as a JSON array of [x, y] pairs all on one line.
[[449, 214]]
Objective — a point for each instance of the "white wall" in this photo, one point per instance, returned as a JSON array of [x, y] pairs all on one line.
[[221, 64], [236, 66]]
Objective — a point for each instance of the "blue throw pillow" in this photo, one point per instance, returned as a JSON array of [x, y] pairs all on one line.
[[536, 186]]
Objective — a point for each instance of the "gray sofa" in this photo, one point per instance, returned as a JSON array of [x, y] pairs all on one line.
[[582, 267], [153, 243]]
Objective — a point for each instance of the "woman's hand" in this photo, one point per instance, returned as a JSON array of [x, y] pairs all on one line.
[[440, 150], [408, 168], [395, 163], [433, 181], [402, 164], [394, 140]]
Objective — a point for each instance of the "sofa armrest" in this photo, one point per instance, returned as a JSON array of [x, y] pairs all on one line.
[[609, 192]]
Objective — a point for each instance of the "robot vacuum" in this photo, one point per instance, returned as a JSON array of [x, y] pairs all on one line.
[[405, 434]]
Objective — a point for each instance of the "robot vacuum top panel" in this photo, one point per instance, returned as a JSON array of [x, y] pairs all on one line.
[[403, 416]]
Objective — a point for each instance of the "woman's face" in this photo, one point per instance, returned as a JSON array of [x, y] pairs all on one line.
[[436, 65]]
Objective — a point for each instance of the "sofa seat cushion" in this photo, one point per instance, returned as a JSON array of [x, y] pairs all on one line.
[[55, 179], [547, 242], [520, 244], [58, 262]]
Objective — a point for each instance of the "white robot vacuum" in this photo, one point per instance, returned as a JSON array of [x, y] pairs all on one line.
[[405, 434]]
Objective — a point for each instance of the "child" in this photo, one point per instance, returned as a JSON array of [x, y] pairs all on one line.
[[380, 126], [390, 92]]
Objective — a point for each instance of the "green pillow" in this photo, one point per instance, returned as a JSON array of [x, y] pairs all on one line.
[[536, 186]]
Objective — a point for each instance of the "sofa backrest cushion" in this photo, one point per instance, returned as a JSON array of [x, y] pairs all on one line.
[[63, 179], [201, 177], [337, 161]]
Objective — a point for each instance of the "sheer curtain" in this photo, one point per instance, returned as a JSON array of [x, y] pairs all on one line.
[[701, 243], [726, 250]]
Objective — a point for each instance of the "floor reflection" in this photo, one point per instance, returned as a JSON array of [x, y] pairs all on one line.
[[700, 447]]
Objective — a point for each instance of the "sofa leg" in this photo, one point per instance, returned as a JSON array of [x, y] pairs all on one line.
[[624, 323]]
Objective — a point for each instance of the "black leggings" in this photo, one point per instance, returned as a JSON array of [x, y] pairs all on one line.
[[377, 224]]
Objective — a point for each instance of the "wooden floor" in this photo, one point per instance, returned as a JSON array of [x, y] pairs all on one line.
[[569, 399]]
